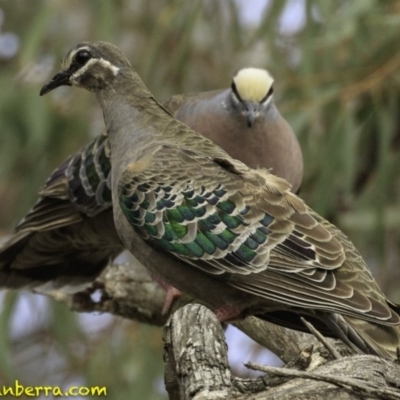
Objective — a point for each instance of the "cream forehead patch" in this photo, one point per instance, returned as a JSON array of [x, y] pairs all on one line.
[[253, 84]]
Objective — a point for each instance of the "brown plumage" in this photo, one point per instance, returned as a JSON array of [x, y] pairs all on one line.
[[68, 237], [234, 237], [64, 241]]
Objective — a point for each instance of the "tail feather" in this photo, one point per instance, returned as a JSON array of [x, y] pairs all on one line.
[[360, 335], [65, 257], [381, 340], [367, 337]]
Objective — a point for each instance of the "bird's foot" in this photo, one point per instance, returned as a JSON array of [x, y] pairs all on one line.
[[228, 313], [170, 297]]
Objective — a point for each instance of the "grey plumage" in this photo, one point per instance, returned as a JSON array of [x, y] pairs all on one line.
[[68, 237], [245, 122], [232, 236]]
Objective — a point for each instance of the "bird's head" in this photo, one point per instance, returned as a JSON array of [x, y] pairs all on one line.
[[91, 65], [252, 91]]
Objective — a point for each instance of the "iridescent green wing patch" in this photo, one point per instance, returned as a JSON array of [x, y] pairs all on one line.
[[195, 223]]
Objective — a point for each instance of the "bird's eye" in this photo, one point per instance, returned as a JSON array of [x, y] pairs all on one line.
[[82, 57]]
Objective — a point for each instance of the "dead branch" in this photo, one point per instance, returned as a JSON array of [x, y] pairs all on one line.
[[196, 368]]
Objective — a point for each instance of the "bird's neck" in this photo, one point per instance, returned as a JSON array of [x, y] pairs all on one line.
[[130, 111], [133, 119]]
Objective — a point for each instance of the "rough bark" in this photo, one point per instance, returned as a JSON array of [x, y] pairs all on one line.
[[197, 368], [196, 361], [127, 290]]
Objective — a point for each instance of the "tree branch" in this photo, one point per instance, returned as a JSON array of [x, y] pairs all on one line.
[[196, 368], [195, 355], [127, 290]]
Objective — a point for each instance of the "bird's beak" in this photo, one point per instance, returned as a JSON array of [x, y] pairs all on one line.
[[60, 79], [251, 112]]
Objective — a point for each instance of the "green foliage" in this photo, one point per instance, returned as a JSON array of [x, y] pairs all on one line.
[[337, 83]]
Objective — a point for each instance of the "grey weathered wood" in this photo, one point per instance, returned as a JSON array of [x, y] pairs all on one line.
[[197, 366], [129, 291], [285, 343], [126, 290], [196, 356], [355, 377]]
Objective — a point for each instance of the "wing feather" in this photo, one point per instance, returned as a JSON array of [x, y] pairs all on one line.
[[225, 218]]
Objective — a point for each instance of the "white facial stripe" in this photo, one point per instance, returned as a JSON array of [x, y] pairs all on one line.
[[67, 62], [82, 70], [92, 61], [107, 64]]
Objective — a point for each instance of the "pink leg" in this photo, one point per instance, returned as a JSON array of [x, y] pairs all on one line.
[[228, 313], [171, 295]]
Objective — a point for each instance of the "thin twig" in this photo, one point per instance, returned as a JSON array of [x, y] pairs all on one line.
[[258, 384], [335, 354], [347, 383]]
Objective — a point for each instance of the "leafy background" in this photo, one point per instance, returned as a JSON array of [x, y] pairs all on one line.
[[337, 69]]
